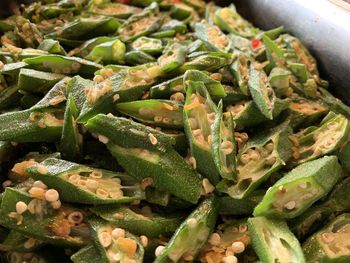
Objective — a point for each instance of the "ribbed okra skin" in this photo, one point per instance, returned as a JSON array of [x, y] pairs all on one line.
[[166, 131]]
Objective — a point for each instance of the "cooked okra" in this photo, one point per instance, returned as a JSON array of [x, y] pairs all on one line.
[[166, 131]]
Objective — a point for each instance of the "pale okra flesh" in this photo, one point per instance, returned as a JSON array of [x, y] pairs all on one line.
[[166, 131]]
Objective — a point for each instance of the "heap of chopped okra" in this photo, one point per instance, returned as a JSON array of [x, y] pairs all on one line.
[[166, 131]]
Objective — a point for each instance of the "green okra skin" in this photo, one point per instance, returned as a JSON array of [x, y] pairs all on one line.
[[63, 65], [71, 139], [12, 69], [52, 46], [230, 21], [148, 45], [149, 18], [86, 28], [279, 79], [233, 95], [240, 70], [126, 85], [7, 151], [82, 184], [162, 113], [330, 244], [273, 241], [262, 93], [239, 207], [183, 12], [199, 115], [84, 49], [181, 145], [24, 53], [51, 227], [192, 233], [264, 154], [9, 97], [214, 87], [42, 126], [300, 188], [173, 57], [223, 146], [274, 53], [135, 57], [117, 10], [167, 88], [34, 81], [86, 254], [333, 103], [15, 241], [299, 70], [110, 246], [108, 52], [76, 88], [331, 134], [171, 28], [137, 222], [213, 36], [344, 155], [136, 150], [275, 32]]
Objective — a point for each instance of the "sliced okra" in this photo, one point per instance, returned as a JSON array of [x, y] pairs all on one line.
[[82, 184], [196, 4], [146, 148], [127, 85], [108, 52], [174, 56], [273, 241], [52, 46], [16, 241], [35, 126], [183, 12], [223, 145], [9, 97], [213, 36], [148, 45], [85, 49], [140, 221], [330, 244], [135, 57], [300, 188], [34, 81], [63, 65], [299, 70], [199, 115], [279, 79], [325, 139], [76, 87], [55, 224], [171, 28], [86, 254], [264, 154], [117, 10], [192, 233], [274, 53], [240, 70], [181, 145], [141, 24], [7, 151], [261, 91], [86, 28], [114, 243], [333, 103], [12, 69], [233, 95], [230, 21], [163, 113], [167, 88]]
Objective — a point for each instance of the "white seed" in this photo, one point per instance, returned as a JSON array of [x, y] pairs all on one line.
[[303, 185], [92, 184], [166, 120], [242, 228], [74, 178], [226, 147], [21, 207], [328, 237], [37, 192], [193, 123], [192, 222], [158, 118], [103, 139], [102, 193], [152, 139], [207, 186], [178, 96], [52, 195], [211, 117], [144, 241], [290, 205], [96, 174], [238, 247], [146, 111], [56, 205], [40, 184], [75, 218], [41, 169], [115, 194], [193, 162], [105, 239], [159, 250], [230, 259], [117, 257], [118, 232], [116, 97], [197, 132], [214, 239]]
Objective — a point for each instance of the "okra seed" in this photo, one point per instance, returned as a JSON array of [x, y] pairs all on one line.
[[102, 193], [328, 237], [96, 174], [238, 247], [230, 259], [178, 96], [56, 205], [92, 184], [118, 216], [117, 257], [166, 120], [193, 162], [188, 257], [245, 158], [193, 123], [116, 97], [41, 169], [52, 195], [290, 205], [148, 181], [159, 250], [211, 117], [98, 78], [37, 192], [144, 241], [103, 139], [197, 132], [152, 139], [82, 183], [75, 218], [192, 222], [146, 112], [21, 207], [269, 147], [117, 193], [214, 239], [158, 118], [118, 232], [207, 186], [105, 239], [39, 184], [271, 160], [226, 147], [168, 106], [303, 185], [31, 242], [242, 228]]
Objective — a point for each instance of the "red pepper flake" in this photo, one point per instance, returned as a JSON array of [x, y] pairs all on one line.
[[256, 43]]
